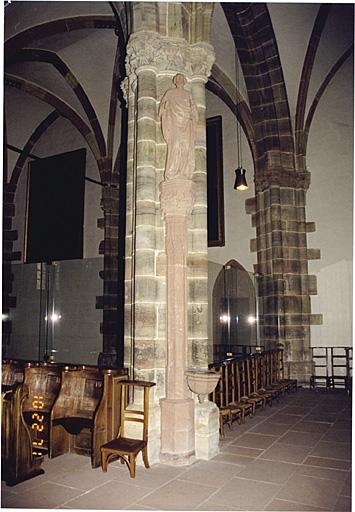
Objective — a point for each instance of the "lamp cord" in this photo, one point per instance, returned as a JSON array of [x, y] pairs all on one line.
[[239, 135]]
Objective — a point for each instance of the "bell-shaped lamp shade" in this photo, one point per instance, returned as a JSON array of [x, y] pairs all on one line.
[[240, 179]]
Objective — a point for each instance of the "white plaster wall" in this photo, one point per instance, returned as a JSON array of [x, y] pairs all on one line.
[[292, 24], [238, 230], [35, 13], [223, 44], [330, 160]]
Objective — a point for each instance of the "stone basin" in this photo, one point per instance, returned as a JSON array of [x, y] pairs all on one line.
[[202, 382]]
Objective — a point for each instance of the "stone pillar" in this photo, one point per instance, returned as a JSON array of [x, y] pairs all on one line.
[[278, 213], [177, 409], [152, 61]]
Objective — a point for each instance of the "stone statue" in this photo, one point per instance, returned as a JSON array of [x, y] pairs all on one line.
[[179, 116]]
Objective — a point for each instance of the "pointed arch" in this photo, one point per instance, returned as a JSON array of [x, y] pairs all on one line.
[[63, 108], [258, 53], [49, 57], [305, 80]]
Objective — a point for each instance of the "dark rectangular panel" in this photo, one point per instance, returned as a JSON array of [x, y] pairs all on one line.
[[215, 196], [55, 207]]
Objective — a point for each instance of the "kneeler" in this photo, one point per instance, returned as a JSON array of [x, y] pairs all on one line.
[[126, 448]]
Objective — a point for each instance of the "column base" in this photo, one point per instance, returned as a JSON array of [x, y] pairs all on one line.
[[206, 430], [177, 431], [300, 370]]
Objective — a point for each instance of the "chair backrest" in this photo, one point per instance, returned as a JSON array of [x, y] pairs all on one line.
[[135, 415], [79, 394]]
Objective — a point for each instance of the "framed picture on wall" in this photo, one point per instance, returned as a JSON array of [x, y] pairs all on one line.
[[215, 196]]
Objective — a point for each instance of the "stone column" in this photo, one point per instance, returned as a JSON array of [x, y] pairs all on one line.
[[279, 215], [177, 409], [152, 61]]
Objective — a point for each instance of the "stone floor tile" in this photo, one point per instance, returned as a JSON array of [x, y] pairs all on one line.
[[233, 458], [210, 505], [46, 495], [272, 429], [286, 453], [317, 492], [246, 494], [250, 440], [337, 435], [343, 504], [327, 462], [323, 417], [241, 450], [141, 507], [332, 450], [112, 495], [178, 495], [284, 505], [213, 474], [321, 472], [343, 424], [311, 426], [300, 438], [296, 411], [346, 489], [284, 419], [153, 477], [268, 471]]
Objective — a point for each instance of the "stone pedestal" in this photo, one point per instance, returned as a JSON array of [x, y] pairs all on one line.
[[206, 430], [177, 431]]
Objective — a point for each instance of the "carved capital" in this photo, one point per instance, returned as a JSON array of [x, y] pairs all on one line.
[[282, 178], [177, 197], [163, 54]]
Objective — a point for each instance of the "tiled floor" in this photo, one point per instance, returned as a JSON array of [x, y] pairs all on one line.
[[295, 455]]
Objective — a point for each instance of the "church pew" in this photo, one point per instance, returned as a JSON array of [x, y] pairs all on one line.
[[11, 374], [86, 413], [17, 460], [43, 382]]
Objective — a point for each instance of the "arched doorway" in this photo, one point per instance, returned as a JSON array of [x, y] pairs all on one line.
[[234, 312]]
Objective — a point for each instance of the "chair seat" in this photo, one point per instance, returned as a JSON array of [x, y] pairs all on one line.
[[74, 424], [124, 445]]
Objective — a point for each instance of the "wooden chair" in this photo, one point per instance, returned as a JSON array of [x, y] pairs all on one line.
[[124, 447], [260, 367], [236, 402], [219, 398], [255, 390], [245, 377]]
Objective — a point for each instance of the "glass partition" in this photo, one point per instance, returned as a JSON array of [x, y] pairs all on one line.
[[233, 311], [55, 317]]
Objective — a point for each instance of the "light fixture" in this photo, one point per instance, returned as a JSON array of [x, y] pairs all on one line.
[[240, 179]]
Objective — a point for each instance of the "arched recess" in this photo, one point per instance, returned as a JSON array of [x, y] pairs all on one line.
[[256, 45], [63, 108], [49, 57], [234, 311], [51, 28]]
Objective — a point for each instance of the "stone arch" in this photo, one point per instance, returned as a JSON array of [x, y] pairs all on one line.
[[256, 45], [234, 311]]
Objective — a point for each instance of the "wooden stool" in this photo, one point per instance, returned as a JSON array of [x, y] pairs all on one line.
[[127, 448]]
